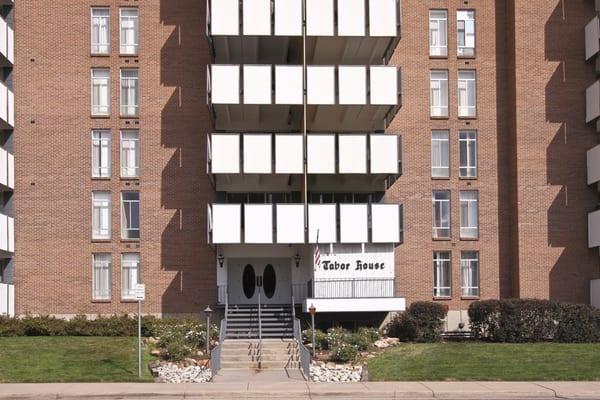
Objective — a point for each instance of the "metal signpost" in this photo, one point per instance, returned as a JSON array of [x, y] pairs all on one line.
[[140, 295], [313, 310]]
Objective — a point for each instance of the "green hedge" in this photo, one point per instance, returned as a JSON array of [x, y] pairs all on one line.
[[530, 320], [423, 322]]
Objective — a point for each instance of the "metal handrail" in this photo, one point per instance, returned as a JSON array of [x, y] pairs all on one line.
[[259, 349], [305, 357], [215, 355]]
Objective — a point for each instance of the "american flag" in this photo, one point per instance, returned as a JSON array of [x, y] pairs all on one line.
[[317, 255]]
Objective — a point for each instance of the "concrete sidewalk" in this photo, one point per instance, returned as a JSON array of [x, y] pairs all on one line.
[[300, 390]]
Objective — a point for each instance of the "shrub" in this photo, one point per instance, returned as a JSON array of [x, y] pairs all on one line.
[[578, 324], [43, 326], [177, 347], [321, 342], [336, 337], [364, 338], [422, 322], [344, 352]]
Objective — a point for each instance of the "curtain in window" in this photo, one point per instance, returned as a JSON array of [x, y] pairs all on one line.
[[101, 215], [440, 154], [100, 31], [129, 92], [438, 32], [130, 154], [101, 276], [441, 274], [131, 215], [129, 31], [439, 93], [468, 154], [469, 266], [101, 154], [100, 92], [130, 276], [466, 94], [469, 214], [441, 214]]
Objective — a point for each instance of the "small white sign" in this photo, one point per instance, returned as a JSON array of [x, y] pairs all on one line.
[[140, 292]]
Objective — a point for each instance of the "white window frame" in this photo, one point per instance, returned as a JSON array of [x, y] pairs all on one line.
[[437, 149], [130, 93], [101, 153], [126, 48], [129, 232], [467, 82], [99, 48], [102, 262], [440, 206], [467, 140], [469, 214], [130, 152], [466, 20], [100, 84], [442, 274], [469, 274], [101, 211], [130, 274], [438, 99], [438, 29]]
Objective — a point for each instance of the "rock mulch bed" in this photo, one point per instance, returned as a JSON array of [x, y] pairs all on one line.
[[167, 372], [330, 372]]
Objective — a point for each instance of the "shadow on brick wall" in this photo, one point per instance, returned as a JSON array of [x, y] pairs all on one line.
[[185, 189]]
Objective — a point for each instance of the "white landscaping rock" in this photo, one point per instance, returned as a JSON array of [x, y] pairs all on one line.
[[171, 373], [328, 372]]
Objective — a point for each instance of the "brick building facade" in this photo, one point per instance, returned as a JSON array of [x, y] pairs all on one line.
[[530, 182]]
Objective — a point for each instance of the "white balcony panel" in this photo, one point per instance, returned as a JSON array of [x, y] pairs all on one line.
[[592, 102], [224, 17], [319, 17], [320, 82], [11, 45], [257, 84], [288, 17], [4, 235], [383, 16], [11, 234], [3, 37], [352, 154], [351, 18], [226, 223], [594, 229], [354, 223], [257, 154], [3, 102], [11, 108], [321, 154], [257, 17], [592, 38], [290, 223], [288, 84], [3, 167], [11, 171], [225, 84], [352, 84], [322, 222], [258, 223], [225, 152], [593, 165], [384, 85], [288, 154], [385, 223], [384, 154]]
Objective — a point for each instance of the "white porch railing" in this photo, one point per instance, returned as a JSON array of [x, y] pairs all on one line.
[[7, 300], [353, 288]]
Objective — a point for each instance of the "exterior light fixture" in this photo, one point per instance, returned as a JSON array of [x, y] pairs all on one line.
[[220, 259], [297, 258], [208, 312]]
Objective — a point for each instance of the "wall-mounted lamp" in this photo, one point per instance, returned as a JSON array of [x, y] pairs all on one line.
[[297, 258], [220, 259]]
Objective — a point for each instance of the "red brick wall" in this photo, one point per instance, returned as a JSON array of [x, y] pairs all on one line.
[[54, 184]]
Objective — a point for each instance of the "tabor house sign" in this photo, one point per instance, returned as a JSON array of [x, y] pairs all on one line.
[[351, 265]]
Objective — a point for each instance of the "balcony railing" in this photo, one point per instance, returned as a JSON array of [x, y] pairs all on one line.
[[374, 18], [353, 288], [7, 234], [327, 154], [7, 300], [284, 223], [592, 38], [7, 42], [592, 102], [7, 107], [7, 169]]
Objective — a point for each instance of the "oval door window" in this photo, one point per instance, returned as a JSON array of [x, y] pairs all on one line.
[[269, 281], [249, 281]]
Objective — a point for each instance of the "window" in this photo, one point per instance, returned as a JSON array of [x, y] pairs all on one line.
[[438, 33], [130, 274], [101, 276], [100, 31], [469, 272], [469, 215], [465, 23], [442, 274], [467, 96], [130, 154], [101, 154], [468, 154], [441, 214], [129, 31], [130, 215], [101, 215], [129, 92], [439, 93], [100, 91], [440, 154]]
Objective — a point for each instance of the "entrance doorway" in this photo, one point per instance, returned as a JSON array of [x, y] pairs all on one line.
[[272, 277]]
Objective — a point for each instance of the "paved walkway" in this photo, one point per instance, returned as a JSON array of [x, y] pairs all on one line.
[[302, 390]]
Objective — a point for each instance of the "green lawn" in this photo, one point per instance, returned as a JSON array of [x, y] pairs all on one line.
[[70, 359], [487, 361]]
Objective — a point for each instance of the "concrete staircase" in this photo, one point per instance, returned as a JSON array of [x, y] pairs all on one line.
[[242, 321], [246, 354]]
